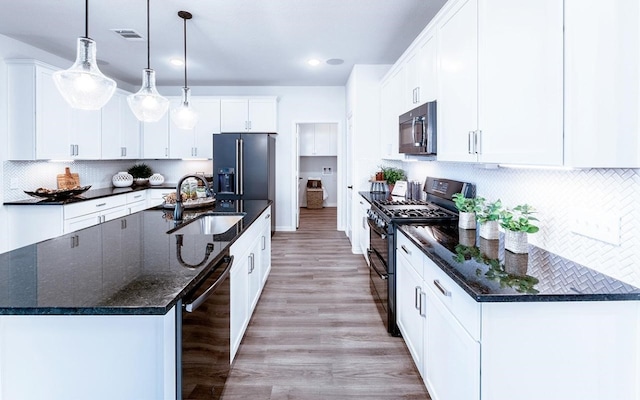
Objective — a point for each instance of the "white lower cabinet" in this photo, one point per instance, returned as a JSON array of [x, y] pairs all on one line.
[[468, 350], [411, 309], [248, 275], [452, 356]]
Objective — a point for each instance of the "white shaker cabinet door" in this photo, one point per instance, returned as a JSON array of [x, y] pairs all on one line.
[[233, 115], [520, 49], [458, 82]]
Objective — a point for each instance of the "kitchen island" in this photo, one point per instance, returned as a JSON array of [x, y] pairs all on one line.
[[93, 314]]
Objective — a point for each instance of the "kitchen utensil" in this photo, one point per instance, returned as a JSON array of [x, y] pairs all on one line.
[[68, 180]]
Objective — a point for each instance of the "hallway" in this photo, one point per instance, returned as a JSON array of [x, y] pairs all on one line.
[[316, 333]]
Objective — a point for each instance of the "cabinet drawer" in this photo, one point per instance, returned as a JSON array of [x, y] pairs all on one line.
[[92, 206], [411, 252], [463, 307], [136, 196]]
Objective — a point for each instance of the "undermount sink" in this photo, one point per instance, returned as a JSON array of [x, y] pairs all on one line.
[[209, 224]]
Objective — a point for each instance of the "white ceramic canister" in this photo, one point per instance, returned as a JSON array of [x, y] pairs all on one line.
[[122, 179]]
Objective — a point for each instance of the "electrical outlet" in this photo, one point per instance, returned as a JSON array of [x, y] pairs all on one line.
[[14, 183], [605, 228]]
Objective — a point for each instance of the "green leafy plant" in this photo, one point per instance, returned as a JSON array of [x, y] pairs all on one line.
[[393, 175], [519, 219], [139, 171], [489, 211], [467, 204]]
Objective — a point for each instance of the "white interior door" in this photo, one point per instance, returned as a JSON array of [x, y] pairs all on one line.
[[348, 180], [297, 176]]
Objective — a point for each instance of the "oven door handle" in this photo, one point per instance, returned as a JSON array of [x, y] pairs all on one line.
[[373, 266], [194, 304], [376, 229]]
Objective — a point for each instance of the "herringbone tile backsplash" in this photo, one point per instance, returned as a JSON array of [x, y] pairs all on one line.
[[558, 195]]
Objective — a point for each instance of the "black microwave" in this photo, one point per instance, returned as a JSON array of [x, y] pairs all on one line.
[[417, 134]]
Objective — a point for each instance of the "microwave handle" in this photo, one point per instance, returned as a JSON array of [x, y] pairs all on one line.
[[425, 138]]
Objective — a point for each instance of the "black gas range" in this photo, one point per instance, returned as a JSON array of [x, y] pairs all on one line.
[[383, 217]]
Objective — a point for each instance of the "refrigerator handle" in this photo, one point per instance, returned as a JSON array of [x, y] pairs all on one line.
[[240, 166]]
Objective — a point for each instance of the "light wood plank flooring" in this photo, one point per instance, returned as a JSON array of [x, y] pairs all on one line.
[[316, 333]]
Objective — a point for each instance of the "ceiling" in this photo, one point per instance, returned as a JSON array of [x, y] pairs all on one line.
[[229, 42]]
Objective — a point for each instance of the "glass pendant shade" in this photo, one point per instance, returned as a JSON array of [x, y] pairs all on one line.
[[147, 104], [83, 86], [184, 116]]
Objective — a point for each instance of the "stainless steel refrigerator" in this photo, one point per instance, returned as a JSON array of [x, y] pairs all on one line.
[[244, 167]]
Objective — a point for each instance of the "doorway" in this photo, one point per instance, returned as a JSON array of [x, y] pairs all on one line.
[[317, 144]]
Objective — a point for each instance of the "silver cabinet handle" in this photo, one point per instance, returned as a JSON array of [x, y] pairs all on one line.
[[251, 263], [71, 150], [101, 205], [123, 223], [470, 142], [478, 142], [264, 243], [416, 297], [441, 288], [423, 300], [166, 152], [405, 250]]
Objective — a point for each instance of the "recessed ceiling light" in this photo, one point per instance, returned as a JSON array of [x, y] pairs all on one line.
[[335, 61], [314, 62], [176, 61]]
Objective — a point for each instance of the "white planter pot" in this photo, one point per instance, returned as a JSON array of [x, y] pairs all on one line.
[[516, 264], [467, 220], [467, 237], [489, 230], [489, 248], [156, 179], [516, 242]]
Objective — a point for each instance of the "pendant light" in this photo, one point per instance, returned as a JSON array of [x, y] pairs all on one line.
[[83, 86], [147, 104], [184, 116]]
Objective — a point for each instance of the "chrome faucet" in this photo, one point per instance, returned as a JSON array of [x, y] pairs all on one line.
[[177, 212]]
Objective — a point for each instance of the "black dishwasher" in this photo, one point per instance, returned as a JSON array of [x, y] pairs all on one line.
[[204, 359]]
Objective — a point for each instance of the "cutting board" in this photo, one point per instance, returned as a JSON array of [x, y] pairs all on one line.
[[68, 180]]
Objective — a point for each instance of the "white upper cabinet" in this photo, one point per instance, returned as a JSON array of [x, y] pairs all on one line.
[[155, 138], [196, 142], [120, 129], [249, 115], [420, 72], [41, 123], [602, 83], [318, 139], [390, 110], [499, 94]]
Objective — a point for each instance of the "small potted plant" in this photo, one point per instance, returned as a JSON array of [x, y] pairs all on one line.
[[393, 175], [517, 222], [488, 218], [468, 207], [141, 173]]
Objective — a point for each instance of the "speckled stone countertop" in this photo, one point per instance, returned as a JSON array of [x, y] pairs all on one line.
[[90, 194], [129, 265], [489, 273]]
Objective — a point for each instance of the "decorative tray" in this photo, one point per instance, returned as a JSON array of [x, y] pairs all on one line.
[[58, 194], [201, 202]]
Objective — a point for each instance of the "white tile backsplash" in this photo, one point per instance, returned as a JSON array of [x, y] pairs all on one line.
[[29, 175], [558, 195]]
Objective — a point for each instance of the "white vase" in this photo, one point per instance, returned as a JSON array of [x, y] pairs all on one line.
[[489, 230], [516, 241], [467, 220], [156, 179], [122, 179]]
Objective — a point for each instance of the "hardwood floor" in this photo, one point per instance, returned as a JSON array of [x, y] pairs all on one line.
[[316, 333]]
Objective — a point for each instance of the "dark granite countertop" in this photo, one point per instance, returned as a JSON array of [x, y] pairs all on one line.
[[90, 194], [129, 265], [489, 273]]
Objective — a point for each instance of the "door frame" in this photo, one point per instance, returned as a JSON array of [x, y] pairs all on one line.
[[341, 178]]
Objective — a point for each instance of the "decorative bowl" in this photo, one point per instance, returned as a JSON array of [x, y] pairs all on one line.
[[58, 194], [156, 179], [122, 179]]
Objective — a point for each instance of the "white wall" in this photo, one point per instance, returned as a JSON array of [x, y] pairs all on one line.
[[296, 104], [558, 195]]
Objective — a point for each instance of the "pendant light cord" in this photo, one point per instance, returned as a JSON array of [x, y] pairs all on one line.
[[185, 51], [148, 39], [86, 19]]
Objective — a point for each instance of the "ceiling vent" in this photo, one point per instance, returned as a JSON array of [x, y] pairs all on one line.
[[129, 34]]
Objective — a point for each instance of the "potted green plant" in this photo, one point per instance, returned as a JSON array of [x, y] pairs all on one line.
[[141, 173], [488, 219], [517, 223], [393, 175], [468, 207]]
